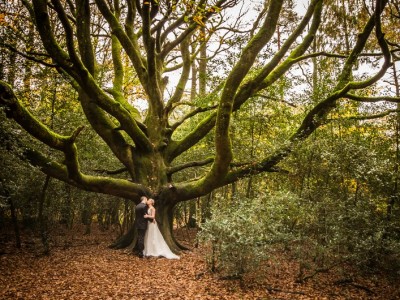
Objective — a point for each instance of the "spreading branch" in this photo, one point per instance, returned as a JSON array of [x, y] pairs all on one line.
[[191, 164]]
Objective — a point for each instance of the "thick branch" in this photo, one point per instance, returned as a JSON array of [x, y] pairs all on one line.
[[69, 33], [313, 120], [371, 99], [266, 165], [81, 74], [14, 109], [180, 88], [316, 116], [369, 117], [223, 154], [107, 130], [200, 8], [268, 75], [192, 114], [176, 148], [110, 186], [247, 58], [191, 164], [70, 172], [83, 35], [47, 36], [130, 48], [130, 19], [152, 86], [222, 140]]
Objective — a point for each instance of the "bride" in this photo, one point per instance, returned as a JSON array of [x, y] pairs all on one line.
[[154, 243]]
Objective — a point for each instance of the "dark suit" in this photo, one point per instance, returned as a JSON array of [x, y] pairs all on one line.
[[141, 226]]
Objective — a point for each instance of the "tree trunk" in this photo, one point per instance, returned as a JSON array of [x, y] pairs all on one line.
[[86, 216], [191, 222], [14, 220], [394, 196], [203, 67], [67, 212], [43, 219], [128, 240], [126, 220], [164, 218]]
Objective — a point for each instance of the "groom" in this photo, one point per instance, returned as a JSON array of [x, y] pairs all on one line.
[[141, 224]]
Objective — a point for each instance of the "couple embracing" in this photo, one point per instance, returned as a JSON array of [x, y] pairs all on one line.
[[150, 240]]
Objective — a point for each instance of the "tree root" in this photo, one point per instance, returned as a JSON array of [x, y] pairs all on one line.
[[272, 289], [350, 282]]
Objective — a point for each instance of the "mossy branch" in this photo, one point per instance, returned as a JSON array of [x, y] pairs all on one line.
[[99, 184]]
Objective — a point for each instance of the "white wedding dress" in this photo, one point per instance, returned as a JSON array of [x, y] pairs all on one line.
[[154, 243]]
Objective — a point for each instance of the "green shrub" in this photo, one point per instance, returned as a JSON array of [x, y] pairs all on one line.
[[239, 235], [319, 233]]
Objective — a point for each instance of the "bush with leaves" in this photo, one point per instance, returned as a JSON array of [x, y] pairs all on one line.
[[320, 233], [241, 233]]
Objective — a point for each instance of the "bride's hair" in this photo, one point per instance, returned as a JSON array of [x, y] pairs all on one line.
[[152, 201]]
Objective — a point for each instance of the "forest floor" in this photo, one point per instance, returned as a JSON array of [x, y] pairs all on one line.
[[83, 267]]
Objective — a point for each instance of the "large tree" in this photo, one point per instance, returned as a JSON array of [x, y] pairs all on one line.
[[150, 38]]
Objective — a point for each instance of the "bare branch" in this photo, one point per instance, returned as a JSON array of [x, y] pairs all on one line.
[[30, 55]]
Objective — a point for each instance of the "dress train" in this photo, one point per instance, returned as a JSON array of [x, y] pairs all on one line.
[[154, 243]]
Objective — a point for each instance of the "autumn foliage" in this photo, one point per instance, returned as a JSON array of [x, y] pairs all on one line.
[[82, 267]]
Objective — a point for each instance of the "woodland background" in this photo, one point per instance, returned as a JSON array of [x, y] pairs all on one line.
[[325, 223]]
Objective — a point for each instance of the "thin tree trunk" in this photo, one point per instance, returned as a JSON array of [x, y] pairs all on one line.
[[14, 220], [305, 180], [345, 25], [11, 72], [233, 189], [252, 146], [199, 211], [86, 217], [125, 222], [192, 213], [43, 219], [249, 188], [203, 67], [11, 80], [193, 89], [394, 196], [67, 213], [2, 58]]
